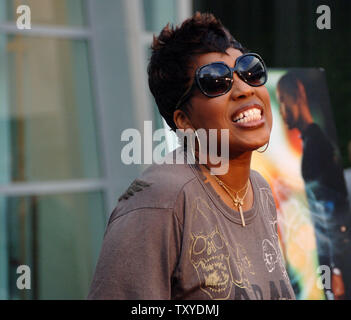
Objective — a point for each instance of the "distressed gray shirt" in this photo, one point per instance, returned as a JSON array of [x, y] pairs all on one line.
[[172, 237]]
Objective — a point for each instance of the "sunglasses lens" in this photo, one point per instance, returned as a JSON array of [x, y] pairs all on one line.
[[214, 79], [252, 70]]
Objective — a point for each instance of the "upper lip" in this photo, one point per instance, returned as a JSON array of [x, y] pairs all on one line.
[[246, 107]]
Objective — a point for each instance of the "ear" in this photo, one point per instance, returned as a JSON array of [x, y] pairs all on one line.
[[181, 120], [302, 92]]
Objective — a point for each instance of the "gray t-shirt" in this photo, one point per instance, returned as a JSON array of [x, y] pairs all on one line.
[[172, 237]]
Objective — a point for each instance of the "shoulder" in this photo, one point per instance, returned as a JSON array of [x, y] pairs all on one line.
[[158, 187], [317, 141], [314, 132], [314, 128]]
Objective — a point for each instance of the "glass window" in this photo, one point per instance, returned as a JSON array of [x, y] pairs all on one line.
[[48, 132], [54, 12], [157, 13], [47, 114], [58, 237]]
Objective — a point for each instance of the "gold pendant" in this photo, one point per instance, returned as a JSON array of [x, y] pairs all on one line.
[[241, 215]]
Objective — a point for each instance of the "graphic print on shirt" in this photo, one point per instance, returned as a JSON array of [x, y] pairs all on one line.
[[243, 266], [270, 247], [270, 255], [210, 256]]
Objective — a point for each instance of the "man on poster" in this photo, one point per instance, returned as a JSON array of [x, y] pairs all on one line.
[[324, 183]]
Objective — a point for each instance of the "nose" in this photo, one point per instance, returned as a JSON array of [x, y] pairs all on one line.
[[240, 88]]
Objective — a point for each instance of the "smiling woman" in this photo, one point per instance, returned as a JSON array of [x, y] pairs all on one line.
[[180, 232]]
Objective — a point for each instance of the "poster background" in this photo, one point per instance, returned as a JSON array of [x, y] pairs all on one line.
[[281, 167]]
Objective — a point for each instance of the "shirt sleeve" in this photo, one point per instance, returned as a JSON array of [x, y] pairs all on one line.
[[138, 256]]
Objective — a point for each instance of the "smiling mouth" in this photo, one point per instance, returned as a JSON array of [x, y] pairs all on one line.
[[247, 116]]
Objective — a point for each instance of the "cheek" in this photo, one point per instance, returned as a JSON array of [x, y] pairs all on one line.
[[208, 113]]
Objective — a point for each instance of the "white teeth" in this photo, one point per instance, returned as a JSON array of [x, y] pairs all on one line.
[[248, 115]]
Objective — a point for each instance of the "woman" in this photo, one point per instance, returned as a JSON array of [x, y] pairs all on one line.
[[180, 232]]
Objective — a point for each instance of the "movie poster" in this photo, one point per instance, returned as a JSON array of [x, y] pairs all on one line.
[[303, 167]]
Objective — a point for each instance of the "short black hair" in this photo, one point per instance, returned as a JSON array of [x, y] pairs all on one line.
[[172, 53]]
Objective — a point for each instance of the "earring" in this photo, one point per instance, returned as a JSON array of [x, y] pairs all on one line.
[[191, 145], [264, 148]]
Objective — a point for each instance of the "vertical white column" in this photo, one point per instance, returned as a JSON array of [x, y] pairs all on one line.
[[184, 9], [138, 61]]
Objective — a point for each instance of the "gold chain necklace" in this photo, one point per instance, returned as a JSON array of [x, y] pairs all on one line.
[[238, 201]]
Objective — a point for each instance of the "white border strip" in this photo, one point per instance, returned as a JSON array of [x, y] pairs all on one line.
[[47, 31], [52, 187]]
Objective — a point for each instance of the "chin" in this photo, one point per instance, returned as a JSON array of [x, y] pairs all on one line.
[[236, 149], [249, 144], [264, 140], [258, 146], [262, 143]]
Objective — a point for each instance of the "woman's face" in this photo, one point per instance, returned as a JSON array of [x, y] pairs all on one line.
[[242, 100]]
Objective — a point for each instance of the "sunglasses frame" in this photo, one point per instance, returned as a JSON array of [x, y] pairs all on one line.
[[232, 70]]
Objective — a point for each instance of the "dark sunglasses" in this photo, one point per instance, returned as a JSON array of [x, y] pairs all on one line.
[[216, 78]]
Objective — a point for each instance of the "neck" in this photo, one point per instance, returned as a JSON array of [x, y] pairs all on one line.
[[238, 171]]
